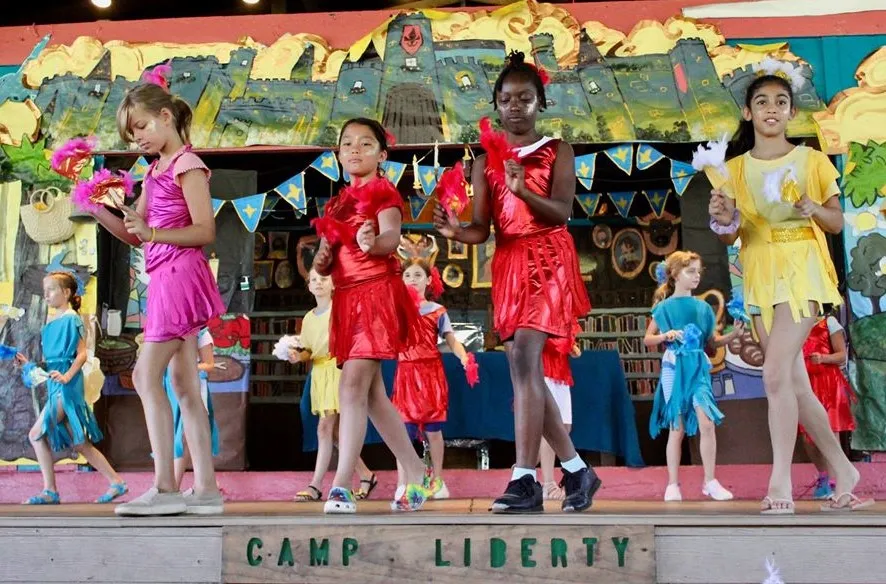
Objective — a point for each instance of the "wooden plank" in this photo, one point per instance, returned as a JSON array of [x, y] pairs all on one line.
[[110, 555], [453, 553], [803, 555]]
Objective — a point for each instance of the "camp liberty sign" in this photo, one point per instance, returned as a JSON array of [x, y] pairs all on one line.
[[368, 553]]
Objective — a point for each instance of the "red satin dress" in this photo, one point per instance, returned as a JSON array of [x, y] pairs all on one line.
[[421, 393], [536, 282], [373, 312], [555, 364], [829, 384]]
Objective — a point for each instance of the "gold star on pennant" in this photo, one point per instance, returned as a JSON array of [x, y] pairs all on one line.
[[391, 173], [292, 192], [249, 210], [644, 156], [327, 162], [621, 154], [429, 176], [584, 169]]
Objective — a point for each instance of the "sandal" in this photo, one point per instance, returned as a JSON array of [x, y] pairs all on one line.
[[47, 497], [364, 492], [114, 491], [853, 503], [777, 506], [312, 493]]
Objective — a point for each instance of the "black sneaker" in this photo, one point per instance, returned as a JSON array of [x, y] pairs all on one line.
[[523, 495], [580, 488]]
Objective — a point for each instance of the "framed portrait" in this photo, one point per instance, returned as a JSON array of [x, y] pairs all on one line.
[[628, 253], [453, 276], [481, 276], [278, 245], [261, 246], [602, 236], [263, 274], [283, 275], [304, 254], [457, 250]]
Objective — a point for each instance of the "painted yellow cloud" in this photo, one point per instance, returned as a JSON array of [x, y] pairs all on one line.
[[650, 37], [18, 119]]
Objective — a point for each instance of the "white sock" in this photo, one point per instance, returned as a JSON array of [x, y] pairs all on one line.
[[573, 464], [520, 472]]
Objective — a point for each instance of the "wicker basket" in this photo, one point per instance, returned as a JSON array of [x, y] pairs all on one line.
[[47, 218], [116, 354]]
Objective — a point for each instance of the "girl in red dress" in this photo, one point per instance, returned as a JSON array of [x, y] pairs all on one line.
[[421, 393], [537, 290], [372, 313], [825, 355]]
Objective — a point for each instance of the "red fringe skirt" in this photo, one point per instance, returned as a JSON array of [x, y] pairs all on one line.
[[536, 284], [371, 320], [421, 393]]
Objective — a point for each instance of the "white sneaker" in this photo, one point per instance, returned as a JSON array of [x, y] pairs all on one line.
[[673, 494], [340, 501], [443, 493], [716, 491], [153, 502], [203, 504]]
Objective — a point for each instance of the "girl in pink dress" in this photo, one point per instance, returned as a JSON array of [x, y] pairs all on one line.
[[173, 220]]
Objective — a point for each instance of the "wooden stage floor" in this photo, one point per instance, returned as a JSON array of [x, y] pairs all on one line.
[[454, 541]]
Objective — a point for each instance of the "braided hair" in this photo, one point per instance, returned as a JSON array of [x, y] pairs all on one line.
[[517, 66]]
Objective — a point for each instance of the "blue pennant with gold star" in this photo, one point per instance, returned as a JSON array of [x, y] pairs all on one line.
[[622, 156], [657, 200], [393, 170], [293, 192], [139, 169], [327, 165], [250, 209], [588, 202], [217, 204], [427, 175], [321, 205], [647, 156], [622, 201], [681, 174], [585, 166], [417, 205]]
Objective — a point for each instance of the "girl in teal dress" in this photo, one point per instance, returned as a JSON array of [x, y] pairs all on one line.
[[684, 399], [66, 421]]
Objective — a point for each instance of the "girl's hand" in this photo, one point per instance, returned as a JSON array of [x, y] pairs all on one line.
[[816, 358], [135, 224], [20, 359], [806, 207], [366, 237], [515, 178], [720, 207], [323, 257], [464, 361], [62, 378], [737, 328], [673, 335], [446, 225], [576, 351]]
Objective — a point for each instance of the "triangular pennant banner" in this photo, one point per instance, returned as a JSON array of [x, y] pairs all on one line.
[[270, 205], [657, 200], [585, 166], [327, 165], [427, 175], [622, 201], [217, 204], [250, 209], [393, 170], [417, 205], [293, 192], [588, 202], [139, 168], [647, 156], [622, 156], [321, 205], [681, 174]]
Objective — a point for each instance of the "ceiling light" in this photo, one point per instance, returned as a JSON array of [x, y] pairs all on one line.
[[250, 1], [101, 3]]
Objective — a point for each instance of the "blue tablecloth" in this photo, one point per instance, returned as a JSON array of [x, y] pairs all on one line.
[[602, 411]]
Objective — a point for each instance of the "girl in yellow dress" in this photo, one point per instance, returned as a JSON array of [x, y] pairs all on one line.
[[781, 199], [324, 388]]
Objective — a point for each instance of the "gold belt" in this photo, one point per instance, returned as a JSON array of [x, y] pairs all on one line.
[[790, 234]]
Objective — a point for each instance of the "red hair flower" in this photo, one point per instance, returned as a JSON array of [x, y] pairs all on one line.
[[390, 138], [159, 75]]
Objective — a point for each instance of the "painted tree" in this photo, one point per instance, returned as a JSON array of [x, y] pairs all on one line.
[[864, 179], [865, 274]]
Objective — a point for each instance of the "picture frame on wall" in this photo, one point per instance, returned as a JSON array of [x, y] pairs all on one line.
[[628, 253], [278, 245], [261, 246], [263, 274], [481, 267], [457, 250]]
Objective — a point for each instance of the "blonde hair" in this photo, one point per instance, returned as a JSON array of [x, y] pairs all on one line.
[[154, 99], [674, 263]]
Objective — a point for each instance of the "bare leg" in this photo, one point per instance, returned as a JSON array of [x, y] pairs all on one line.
[[547, 459], [707, 444], [195, 418], [674, 453], [390, 426], [98, 461], [325, 433], [43, 452], [181, 464], [148, 379], [437, 448], [816, 457], [353, 396]]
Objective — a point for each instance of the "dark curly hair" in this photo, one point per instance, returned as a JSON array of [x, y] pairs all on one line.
[[517, 66]]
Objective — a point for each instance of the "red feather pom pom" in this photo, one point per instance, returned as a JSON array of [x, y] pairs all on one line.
[[452, 191], [333, 230], [104, 188], [374, 195], [542, 74], [435, 287], [472, 370], [159, 75], [415, 296], [73, 156], [498, 151]]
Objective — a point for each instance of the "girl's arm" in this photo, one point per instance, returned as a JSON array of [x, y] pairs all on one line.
[[79, 360], [838, 344], [201, 232], [718, 340], [115, 224], [558, 208], [829, 216], [654, 338], [477, 231], [456, 347], [299, 356], [721, 208], [388, 237], [207, 358]]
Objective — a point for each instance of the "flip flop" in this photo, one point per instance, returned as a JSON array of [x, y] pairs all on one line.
[[853, 503], [770, 508], [363, 493], [312, 493]]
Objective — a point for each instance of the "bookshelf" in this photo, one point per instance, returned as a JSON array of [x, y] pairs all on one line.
[[622, 330], [272, 380]]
